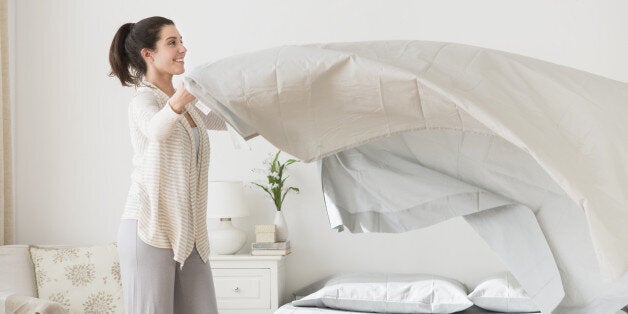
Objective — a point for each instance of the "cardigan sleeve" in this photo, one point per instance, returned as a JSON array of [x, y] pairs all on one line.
[[155, 123], [214, 122]]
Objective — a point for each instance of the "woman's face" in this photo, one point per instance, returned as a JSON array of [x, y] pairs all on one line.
[[170, 52]]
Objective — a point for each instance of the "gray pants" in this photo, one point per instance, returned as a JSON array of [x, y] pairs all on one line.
[[152, 281]]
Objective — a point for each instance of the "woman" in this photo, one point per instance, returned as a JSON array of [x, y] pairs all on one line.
[[162, 239]]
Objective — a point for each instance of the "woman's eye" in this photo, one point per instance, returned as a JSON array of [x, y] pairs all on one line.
[[171, 43]]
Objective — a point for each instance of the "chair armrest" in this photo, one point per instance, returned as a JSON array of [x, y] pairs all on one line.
[[20, 304]]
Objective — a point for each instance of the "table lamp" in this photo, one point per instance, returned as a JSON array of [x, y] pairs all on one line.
[[225, 200]]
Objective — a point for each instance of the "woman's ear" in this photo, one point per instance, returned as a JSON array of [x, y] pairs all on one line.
[[147, 54]]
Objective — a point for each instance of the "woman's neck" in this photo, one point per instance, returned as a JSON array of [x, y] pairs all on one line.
[[162, 81]]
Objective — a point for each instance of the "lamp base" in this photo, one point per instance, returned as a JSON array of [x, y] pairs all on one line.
[[226, 239]]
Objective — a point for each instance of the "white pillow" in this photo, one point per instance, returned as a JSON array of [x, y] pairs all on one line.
[[502, 293], [389, 293], [82, 279]]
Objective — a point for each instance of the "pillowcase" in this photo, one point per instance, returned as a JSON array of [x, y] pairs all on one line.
[[502, 293], [83, 279], [388, 293]]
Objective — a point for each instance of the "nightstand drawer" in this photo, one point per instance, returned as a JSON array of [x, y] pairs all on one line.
[[241, 288]]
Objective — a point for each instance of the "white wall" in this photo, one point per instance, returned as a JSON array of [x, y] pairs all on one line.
[[72, 147]]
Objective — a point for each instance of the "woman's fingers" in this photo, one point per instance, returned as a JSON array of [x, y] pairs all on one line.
[[185, 94]]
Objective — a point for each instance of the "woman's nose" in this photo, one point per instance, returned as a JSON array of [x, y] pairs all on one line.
[[183, 49]]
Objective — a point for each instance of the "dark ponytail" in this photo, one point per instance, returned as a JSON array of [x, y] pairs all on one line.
[[125, 51], [118, 58]]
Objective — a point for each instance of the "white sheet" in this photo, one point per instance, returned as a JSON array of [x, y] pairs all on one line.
[[313, 101], [419, 178]]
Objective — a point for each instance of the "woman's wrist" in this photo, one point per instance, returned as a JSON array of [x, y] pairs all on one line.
[[175, 107]]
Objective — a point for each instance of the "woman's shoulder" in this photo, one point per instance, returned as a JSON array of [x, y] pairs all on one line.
[[145, 96]]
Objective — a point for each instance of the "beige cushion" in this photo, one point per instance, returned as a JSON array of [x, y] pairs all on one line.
[[83, 279], [17, 274]]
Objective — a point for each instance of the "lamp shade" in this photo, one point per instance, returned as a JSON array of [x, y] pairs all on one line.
[[225, 199]]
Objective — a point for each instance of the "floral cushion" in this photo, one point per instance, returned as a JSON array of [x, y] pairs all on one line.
[[83, 279]]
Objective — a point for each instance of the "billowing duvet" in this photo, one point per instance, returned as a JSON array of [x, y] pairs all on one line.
[[533, 155]]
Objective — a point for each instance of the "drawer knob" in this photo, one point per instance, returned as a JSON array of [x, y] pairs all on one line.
[[236, 289]]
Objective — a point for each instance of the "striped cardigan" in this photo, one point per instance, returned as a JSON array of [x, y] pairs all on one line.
[[168, 193]]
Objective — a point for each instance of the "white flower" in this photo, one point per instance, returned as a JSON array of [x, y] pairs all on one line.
[[256, 170], [271, 174]]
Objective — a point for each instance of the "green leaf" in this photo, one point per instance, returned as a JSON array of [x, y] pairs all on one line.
[[286, 192], [264, 188], [291, 161], [273, 167]]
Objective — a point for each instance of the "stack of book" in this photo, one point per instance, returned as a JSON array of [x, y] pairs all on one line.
[[271, 248]]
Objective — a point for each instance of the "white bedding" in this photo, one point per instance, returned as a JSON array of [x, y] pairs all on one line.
[[420, 178], [556, 187], [289, 309]]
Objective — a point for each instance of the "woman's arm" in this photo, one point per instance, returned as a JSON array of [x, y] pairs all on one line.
[[156, 124], [214, 122]]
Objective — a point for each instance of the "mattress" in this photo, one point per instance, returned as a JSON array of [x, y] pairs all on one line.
[[289, 309]]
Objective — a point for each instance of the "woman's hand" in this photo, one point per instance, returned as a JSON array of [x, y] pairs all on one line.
[[180, 98]]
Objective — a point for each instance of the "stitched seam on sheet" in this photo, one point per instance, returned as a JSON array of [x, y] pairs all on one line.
[[545, 285], [420, 104], [371, 300], [381, 102]]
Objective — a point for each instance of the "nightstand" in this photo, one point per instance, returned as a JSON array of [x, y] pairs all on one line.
[[247, 284]]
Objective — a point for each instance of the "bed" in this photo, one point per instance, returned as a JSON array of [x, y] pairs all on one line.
[[289, 309]]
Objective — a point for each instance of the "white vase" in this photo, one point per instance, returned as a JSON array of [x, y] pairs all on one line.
[[281, 227]]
